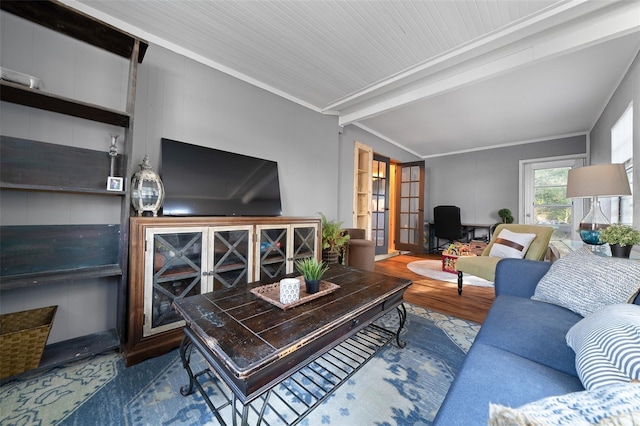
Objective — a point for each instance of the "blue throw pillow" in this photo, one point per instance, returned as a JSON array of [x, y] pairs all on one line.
[[607, 346]]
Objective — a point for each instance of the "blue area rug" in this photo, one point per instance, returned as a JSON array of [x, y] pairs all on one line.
[[396, 387]]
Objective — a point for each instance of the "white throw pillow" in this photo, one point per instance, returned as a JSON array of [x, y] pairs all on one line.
[[607, 346], [511, 244], [584, 283]]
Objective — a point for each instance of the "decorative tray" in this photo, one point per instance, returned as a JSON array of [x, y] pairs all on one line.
[[271, 293]]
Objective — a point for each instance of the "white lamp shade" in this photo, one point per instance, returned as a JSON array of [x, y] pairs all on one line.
[[600, 180]]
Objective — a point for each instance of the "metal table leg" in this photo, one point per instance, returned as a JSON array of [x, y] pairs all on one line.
[[402, 314]]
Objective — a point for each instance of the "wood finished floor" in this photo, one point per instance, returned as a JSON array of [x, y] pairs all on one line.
[[438, 296]]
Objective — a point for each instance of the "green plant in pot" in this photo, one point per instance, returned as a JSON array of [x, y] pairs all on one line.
[[505, 217], [333, 239], [621, 239], [312, 271]]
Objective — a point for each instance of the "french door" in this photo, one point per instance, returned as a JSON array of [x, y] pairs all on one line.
[[410, 207], [380, 203]]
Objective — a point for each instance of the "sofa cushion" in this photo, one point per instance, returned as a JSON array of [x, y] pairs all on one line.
[[607, 346], [608, 405], [492, 375], [531, 329], [511, 244], [585, 283]]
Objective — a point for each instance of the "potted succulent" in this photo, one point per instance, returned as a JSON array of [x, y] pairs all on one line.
[[333, 240], [312, 271], [621, 239]]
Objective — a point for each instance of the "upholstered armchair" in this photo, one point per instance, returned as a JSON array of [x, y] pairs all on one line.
[[484, 266], [360, 252]]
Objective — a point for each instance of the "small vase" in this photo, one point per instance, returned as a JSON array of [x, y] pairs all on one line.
[[620, 251], [313, 286]]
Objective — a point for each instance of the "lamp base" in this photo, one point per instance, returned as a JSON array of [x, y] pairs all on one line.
[[591, 236], [592, 224]]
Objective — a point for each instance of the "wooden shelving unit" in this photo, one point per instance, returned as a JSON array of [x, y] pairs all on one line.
[[362, 187], [27, 165]]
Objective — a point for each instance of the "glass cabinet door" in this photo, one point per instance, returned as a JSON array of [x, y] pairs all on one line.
[[272, 251], [174, 265], [304, 242], [279, 247], [232, 257]]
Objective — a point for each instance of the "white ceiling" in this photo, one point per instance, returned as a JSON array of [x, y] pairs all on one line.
[[434, 77]]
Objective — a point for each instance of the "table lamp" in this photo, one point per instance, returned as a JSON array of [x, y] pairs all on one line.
[[600, 180]]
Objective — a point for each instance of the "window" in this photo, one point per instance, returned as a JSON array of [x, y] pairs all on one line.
[[544, 199], [622, 152]]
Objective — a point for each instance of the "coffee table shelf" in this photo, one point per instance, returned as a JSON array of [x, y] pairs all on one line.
[[298, 394]]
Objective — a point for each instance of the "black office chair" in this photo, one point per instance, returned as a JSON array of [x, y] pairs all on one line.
[[447, 226]]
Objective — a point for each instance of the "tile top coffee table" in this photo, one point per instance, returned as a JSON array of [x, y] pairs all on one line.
[[254, 345]]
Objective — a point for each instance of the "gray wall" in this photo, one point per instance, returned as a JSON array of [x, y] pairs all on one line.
[[483, 182], [181, 99], [628, 91]]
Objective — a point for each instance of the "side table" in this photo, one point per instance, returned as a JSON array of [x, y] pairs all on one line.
[[560, 248]]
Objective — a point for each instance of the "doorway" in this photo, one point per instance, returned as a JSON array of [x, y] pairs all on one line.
[[380, 203], [409, 214]]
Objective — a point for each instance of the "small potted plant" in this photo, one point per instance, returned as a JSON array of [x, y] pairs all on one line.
[[621, 239], [333, 240], [505, 217], [312, 271]]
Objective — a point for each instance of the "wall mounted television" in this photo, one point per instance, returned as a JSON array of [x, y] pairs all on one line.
[[201, 181]]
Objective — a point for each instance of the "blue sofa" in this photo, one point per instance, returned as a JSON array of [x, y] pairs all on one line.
[[520, 354]]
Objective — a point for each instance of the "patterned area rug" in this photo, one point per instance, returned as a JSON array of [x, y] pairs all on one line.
[[398, 386], [433, 269]]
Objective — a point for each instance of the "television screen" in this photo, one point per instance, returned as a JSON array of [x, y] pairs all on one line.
[[200, 181]]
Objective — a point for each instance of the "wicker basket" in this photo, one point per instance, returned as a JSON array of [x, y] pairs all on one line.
[[23, 336]]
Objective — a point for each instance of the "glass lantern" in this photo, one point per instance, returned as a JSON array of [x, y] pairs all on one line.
[[147, 191]]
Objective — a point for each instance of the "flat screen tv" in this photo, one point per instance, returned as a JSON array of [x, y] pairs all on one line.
[[200, 181]]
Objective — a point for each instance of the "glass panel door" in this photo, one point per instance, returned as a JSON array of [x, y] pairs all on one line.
[[410, 210], [380, 204], [232, 255], [304, 243], [176, 260], [272, 243]]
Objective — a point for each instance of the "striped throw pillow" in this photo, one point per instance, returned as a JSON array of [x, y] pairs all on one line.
[[607, 346], [511, 244]]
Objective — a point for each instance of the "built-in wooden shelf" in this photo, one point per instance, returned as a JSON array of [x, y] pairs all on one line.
[[22, 95], [44, 278], [41, 166], [35, 255]]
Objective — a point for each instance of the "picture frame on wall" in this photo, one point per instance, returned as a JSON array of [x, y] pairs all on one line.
[[115, 184]]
